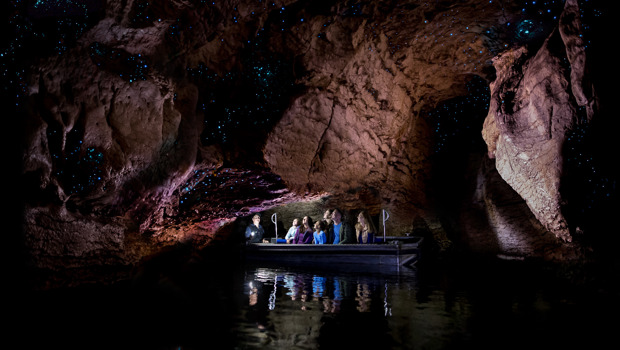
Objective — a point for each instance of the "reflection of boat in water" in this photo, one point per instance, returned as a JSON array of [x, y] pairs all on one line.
[[394, 253], [277, 294]]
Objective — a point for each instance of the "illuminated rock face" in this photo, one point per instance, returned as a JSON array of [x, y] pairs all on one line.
[[166, 121], [535, 104]]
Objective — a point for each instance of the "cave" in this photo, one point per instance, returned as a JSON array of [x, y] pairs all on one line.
[[480, 125], [149, 129]]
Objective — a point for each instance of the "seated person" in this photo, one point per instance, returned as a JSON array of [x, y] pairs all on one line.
[[319, 233], [327, 219], [254, 232], [341, 231], [304, 233], [291, 231], [365, 229]]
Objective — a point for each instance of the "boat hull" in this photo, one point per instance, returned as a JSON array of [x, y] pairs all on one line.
[[394, 253]]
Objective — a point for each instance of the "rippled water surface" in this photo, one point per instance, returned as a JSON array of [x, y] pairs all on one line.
[[498, 305]]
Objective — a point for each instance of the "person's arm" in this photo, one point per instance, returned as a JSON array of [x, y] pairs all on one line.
[[308, 236], [295, 239], [289, 234], [347, 235], [260, 232]]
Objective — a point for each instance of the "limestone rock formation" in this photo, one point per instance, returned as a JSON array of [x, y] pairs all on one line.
[[166, 121], [535, 102]]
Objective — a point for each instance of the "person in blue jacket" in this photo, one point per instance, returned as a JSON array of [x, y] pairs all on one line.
[[254, 232], [341, 230], [319, 232]]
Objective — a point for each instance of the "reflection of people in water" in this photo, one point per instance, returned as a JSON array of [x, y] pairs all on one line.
[[253, 294], [332, 305], [333, 294], [300, 291], [363, 297], [257, 311], [318, 286], [289, 284], [338, 304], [355, 314]]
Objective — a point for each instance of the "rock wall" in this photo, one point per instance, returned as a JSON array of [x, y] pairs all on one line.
[[167, 120], [535, 102]]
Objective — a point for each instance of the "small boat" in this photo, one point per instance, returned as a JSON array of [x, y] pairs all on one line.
[[388, 253], [394, 252]]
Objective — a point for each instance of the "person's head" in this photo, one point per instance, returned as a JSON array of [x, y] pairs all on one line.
[[307, 222], [256, 219], [361, 218], [327, 216], [365, 220], [295, 222], [319, 225], [337, 216]]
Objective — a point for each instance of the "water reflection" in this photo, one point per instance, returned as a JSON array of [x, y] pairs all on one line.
[[292, 308], [307, 290], [485, 308], [465, 305]]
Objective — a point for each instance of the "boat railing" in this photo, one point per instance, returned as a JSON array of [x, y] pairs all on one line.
[[386, 216], [274, 219]]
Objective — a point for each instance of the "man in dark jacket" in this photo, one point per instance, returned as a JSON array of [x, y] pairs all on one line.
[[342, 232], [254, 232], [329, 227]]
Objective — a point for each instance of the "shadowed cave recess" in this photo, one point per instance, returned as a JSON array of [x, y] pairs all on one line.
[[146, 126]]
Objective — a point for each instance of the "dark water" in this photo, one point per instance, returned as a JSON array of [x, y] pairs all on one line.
[[453, 305]]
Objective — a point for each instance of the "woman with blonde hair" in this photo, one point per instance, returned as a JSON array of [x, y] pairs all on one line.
[[364, 228]]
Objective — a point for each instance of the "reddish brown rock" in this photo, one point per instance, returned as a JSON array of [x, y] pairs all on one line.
[[162, 129], [534, 103]]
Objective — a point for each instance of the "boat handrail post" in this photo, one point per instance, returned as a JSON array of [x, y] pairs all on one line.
[[274, 219], [386, 216]]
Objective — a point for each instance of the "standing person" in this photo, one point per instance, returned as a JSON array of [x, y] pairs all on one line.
[[342, 231], [319, 233], [291, 231], [304, 233], [329, 232], [254, 232], [365, 230]]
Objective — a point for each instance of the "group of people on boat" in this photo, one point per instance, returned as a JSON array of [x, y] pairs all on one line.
[[331, 229]]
